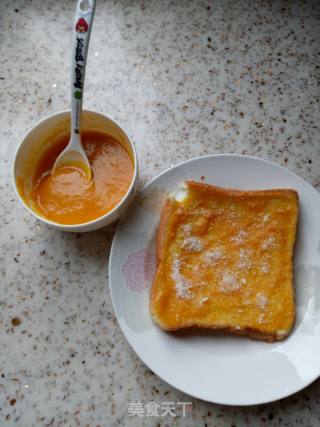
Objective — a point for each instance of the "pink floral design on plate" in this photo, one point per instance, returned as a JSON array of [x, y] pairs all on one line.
[[139, 269]]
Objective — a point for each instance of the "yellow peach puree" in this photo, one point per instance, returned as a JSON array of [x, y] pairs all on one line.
[[66, 197]]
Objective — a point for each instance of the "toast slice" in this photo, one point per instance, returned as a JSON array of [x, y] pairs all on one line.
[[224, 261]]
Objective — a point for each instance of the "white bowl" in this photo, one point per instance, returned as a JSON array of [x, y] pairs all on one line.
[[46, 132]]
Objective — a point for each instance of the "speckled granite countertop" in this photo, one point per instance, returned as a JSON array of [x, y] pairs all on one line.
[[185, 79]]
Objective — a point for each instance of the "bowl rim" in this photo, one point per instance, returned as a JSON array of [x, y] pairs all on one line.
[[75, 227]]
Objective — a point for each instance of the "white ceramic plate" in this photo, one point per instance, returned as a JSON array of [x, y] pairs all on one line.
[[222, 369]]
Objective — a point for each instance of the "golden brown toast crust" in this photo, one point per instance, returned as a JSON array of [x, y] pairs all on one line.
[[174, 213], [229, 192]]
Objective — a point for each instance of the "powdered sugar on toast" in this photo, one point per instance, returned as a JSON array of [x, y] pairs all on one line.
[[262, 300], [229, 282], [192, 243], [212, 256], [182, 285]]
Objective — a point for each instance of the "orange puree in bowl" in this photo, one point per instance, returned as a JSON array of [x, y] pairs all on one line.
[[66, 197]]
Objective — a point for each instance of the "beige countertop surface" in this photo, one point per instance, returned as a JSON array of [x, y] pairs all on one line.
[[185, 79]]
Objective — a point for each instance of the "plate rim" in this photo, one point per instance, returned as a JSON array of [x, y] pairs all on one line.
[[110, 273]]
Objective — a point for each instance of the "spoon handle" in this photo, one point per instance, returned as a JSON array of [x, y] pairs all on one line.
[[81, 36]]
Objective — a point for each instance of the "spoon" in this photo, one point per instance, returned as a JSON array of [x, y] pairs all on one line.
[[74, 153]]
